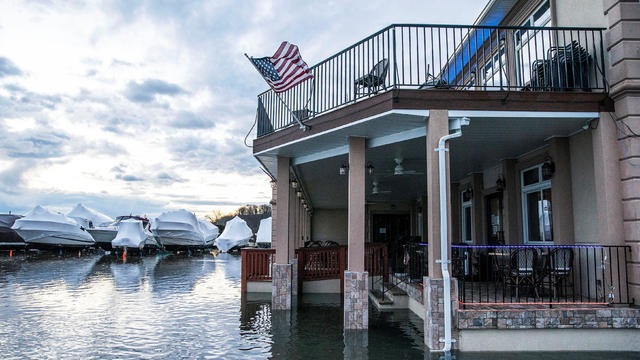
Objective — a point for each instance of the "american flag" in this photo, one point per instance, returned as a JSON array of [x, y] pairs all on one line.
[[285, 69]]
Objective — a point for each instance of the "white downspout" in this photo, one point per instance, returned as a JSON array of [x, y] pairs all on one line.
[[444, 251]]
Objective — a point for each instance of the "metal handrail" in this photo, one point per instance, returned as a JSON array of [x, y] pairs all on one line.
[[459, 57]]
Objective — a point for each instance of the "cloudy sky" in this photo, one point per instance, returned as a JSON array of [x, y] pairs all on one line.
[[142, 106]]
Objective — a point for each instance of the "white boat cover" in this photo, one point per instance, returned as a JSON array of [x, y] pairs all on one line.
[[209, 231], [177, 228], [7, 220], [131, 234], [89, 217], [41, 226], [263, 236], [236, 233]]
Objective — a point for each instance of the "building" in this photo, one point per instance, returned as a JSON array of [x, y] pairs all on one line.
[[541, 175]]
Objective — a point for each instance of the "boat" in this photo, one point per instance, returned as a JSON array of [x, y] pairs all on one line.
[[131, 235], [179, 229], [236, 234], [209, 231], [41, 228], [263, 236], [9, 238], [101, 227]]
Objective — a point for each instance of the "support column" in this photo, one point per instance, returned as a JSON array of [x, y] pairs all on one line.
[[281, 274], [356, 284], [437, 126], [618, 140], [562, 212]]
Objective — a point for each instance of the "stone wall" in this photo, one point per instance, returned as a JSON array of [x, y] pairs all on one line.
[[413, 290], [606, 318], [356, 300], [434, 311], [281, 287]]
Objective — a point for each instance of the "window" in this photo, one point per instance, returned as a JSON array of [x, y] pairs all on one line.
[[532, 45], [537, 216], [467, 219], [494, 74]]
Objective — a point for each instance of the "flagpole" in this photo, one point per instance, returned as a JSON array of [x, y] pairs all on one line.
[[302, 126]]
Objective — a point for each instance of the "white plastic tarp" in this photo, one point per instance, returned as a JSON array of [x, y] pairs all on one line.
[[263, 236], [209, 231], [131, 234], [43, 226], [7, 220], [236, 233], [178, 227], [90, 216]]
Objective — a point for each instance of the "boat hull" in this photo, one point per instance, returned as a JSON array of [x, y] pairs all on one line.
[[228, 244], [103, 237], [58, 241]]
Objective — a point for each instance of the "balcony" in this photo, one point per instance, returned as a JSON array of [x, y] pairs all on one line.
[[443, 57]]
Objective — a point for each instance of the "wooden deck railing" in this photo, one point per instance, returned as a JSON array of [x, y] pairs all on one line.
[[256, 265], [313, 263]]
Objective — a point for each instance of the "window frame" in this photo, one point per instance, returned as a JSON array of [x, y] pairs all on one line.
[[463, 222], [523, 37], [538, 186]]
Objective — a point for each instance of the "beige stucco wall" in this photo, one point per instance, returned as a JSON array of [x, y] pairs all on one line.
[[329, 225], [583, 188], [585, 13]]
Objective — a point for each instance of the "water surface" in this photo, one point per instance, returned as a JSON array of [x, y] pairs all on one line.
[[179, 307]]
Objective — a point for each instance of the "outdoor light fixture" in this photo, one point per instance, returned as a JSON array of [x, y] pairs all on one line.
[[343, 169], [294, 184], [467, 194], [500, 184], [548, 168], [370, 169], [299, 194], [273, 184]]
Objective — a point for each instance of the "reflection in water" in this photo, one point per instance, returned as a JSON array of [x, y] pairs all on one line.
[[179, 307]]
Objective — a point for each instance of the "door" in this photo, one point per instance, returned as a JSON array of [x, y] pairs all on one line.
[[495, 230], [393, 229]]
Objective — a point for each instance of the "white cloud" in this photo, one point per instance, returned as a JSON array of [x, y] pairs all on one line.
[[143, 106]]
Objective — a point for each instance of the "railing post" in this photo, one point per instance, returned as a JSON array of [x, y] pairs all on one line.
[[243, 271], [395, 61], [343, 267], [385, 267]]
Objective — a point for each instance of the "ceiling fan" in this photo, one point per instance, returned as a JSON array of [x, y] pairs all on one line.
[[399, 169], [376, 189]]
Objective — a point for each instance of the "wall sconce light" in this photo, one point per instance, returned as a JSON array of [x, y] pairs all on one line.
[[370, 169], [273, 184], [343, 169], [299, 194], [294, 184], [500, 184], [304, 202], [548, 168], [467, 195]]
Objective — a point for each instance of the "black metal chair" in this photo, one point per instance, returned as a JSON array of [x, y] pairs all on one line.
[[373, 81], [560, 270], [522, 273]]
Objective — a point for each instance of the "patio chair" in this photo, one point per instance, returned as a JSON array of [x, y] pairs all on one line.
[[373, 81], [561, 266], [523, 270]]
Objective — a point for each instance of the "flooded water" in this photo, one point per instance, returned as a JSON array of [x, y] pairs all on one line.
[[179, 307]]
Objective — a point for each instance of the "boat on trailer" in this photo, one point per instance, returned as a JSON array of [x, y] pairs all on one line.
[[101, 227], [131, 236], [43, 229], [9, 238], [178, 230], [236, 234]]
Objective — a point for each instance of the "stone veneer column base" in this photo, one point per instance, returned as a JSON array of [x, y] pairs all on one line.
[[294, 276], [281, 287], [434, 311], [356, 300]]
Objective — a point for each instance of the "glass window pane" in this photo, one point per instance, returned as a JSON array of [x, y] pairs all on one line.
[[534, 214], [467, 223], [530, 176], [547, 215]]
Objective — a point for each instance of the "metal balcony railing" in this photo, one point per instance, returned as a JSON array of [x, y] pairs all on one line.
[[457, 57], [541, 274]]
